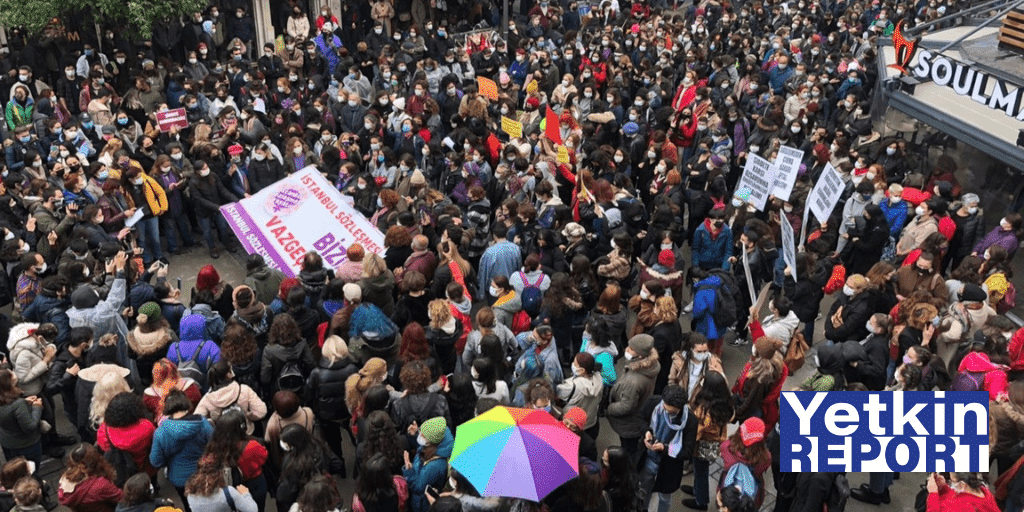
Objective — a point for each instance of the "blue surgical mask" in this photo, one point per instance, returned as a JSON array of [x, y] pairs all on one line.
[[25, 139]]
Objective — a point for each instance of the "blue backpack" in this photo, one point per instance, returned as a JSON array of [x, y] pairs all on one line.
[[532, 295]]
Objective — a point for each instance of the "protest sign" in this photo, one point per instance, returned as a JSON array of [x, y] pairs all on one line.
[[826, 193], [167, 119], [759, 177], [788, 244], [300, 213], [787, 166]]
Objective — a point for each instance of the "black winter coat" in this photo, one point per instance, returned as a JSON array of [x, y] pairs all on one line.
[[867, 249], [812, 490], [856, 312], [667, 340], [325, 389], [208, 194], [444, 346], [872, 371], [274, 358], [265, 173]]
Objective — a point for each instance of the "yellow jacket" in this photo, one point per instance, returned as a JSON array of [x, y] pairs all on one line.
[[155, 195]]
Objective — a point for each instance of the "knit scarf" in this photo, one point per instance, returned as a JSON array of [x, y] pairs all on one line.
[[504, 299], [252, 313], [665, 430]]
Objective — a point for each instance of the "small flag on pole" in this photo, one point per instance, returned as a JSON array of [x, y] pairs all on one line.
[[551, 126], [487, 87], [512, 127]]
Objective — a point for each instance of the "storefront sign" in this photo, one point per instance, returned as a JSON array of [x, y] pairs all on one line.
[[974, 83], [300, 213]]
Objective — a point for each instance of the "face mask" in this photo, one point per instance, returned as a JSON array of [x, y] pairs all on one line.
[[847, 290], [37, 163], [736, 203], [259, 157], [628, 356], [919, 210], [475, 374], [1005, 224], [652, 155], [972, 210], [204, 173], [361, 186], [907, 360], [700, 357], [375, 147], [285, 446], [422, 441], [618, 159], [298, 150], [644, 294], [383, 101], [870, 176]]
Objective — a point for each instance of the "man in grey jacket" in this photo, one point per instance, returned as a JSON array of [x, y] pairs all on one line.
[[633, 389]]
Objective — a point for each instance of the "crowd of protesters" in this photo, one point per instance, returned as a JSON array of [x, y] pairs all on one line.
[[594, 266]]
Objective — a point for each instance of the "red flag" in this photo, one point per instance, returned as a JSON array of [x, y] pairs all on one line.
[[551, 128]]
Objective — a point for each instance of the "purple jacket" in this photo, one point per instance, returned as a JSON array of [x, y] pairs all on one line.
[[1005, 239]]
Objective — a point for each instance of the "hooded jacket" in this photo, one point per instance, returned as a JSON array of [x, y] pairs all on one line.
[[265, 283], [583, 392], [26, 355], [178, 444], [431, 472], [506, 308], [704, 308], [193, 334], [379, 290], [87, 379], [147, 348], [274, 358], [234, 393], [136, 439], [325, 388], [443, 343], [995, 375], [626, 401], [94, 494]]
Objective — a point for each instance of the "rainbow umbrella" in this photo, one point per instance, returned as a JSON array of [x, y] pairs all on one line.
[[517, 453]]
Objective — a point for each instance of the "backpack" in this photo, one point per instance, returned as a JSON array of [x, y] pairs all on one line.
[[290, 378], [521, 322], [234, 405], [741, 476], [796, 352], [122, 462], [840, 493], [968, 381], [836, 280], [725, 302], [532, 296], [191, 368]]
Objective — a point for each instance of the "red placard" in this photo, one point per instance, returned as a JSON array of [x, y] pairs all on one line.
[[167, 119]]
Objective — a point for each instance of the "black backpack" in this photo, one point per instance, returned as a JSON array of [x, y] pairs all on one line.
[[191, 368], [290, 378], [122, 462], [725, 300]]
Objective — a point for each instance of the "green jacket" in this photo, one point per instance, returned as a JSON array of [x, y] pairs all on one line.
[[18, 115], [19, 424]]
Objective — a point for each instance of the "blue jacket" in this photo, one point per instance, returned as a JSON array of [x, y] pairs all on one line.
[[46, 309], [896, 214], [547, 364], [710, 253], [434, 473], [193, 333], [704, 308], [178, 444]]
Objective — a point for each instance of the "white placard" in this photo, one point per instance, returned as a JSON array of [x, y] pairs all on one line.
[[787, 166], [826, 193], [788, 244], [759, 177]]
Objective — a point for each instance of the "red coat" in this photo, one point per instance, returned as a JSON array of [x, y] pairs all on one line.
[[770, 404], [946, 500], [251, 462], [94, 494], [1016, 351], [995, 375], [135, 439]]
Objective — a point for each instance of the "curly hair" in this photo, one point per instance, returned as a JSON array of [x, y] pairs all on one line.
[[397, 236], [562, 295], [440, 313], [382, 437], [665, 310], [284, 331], [84, 461], [207, 480], [415, 377], [239, 344], [124, 410]]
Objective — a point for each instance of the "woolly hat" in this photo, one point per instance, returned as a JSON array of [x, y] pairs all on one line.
[[971, 293], [352, 292], [400, 103], [577, 416], [207, 278], [642, 345], [631, 128], [84, 298], [743, 194], [433, 430], [573, 230], [752, 431], [193, 327], [667, 258], [417, 178], [765, 347], [149, 312], [533, 102], [286, 286]]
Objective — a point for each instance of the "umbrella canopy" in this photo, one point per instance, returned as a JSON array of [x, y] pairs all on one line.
[[517, 453]]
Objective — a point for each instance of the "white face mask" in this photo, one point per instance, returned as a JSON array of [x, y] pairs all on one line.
[[700, 357], [259, 157], [285, 446], [919, 210], [475, 374], [870, 327], [204, 173], [576, 370], [495, 291], [422, 441], [629, 356], [31, 467], [644, 294], [618, 159], [847, 290]]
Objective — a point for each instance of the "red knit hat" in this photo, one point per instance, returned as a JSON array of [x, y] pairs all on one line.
[[207, 278], [577, 416], [533, 102], [752, 431], [286, 286], [667, 258]]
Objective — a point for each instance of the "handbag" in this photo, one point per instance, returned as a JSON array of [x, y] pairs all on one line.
[[708, 450], [796, 352]]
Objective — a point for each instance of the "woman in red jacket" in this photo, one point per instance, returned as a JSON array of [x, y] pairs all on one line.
[[88, 483], [233, 448], [964, 491], [166, 379], [126, 427]]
